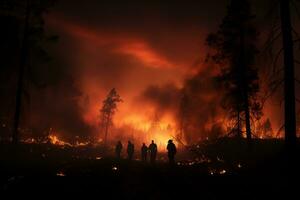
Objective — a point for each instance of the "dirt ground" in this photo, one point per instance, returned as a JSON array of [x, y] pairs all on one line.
[[39, 171]]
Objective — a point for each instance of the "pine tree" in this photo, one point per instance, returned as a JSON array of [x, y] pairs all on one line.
[[235, 50], [108, 110]]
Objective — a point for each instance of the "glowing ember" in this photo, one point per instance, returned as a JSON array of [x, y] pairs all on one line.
[[239, 165], [30, 140], [60, 174], [212, 172], [220, 160], [223, 172], [114, 168], [98, 158], [100, 140], [78, 144], [191, 163]]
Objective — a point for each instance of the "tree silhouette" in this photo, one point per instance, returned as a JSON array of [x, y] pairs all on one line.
[[235, 51], [29, 16], [289, 74], [290, 38], [108, 110]]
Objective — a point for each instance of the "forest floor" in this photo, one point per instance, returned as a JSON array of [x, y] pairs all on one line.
[[222, 169]]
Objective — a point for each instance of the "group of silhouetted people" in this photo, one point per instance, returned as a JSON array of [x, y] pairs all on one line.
[[145, 151]]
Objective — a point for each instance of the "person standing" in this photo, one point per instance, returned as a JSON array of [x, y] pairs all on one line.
[[144, 151], [171, 152], [118, 149], [130, 150], [153, 151]]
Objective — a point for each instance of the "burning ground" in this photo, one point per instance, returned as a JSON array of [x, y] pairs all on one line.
[[211, 172]]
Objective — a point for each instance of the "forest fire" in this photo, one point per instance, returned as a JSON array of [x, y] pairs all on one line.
[[157, 100], [162, 77], [143, 131], [141, 128]]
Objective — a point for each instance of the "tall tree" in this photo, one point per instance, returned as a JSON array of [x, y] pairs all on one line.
[[22, 65], [289, 74], [29, 15], [108, 110], [235, 51]]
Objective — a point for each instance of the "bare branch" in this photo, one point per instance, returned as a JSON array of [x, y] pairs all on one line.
[[273, 90], [296, 33], [276, 59], [279, 130], [278, 71], [270, 41], [179, 141], [275, 27]]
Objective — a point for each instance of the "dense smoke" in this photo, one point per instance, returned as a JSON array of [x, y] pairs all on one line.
[[202, 110], [165, 98]]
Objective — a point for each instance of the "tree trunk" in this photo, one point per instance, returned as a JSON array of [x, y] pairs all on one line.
[[239, 133], [289, 74], [247, 118], [20, 83], [106, 129], [244, 85]]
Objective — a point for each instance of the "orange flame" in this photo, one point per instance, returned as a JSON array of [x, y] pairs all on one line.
[[54, 140]]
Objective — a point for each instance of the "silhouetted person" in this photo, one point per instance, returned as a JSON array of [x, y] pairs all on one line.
[[130, 150], [171, 152], [153, 151], [118, 149], [144, 151]]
